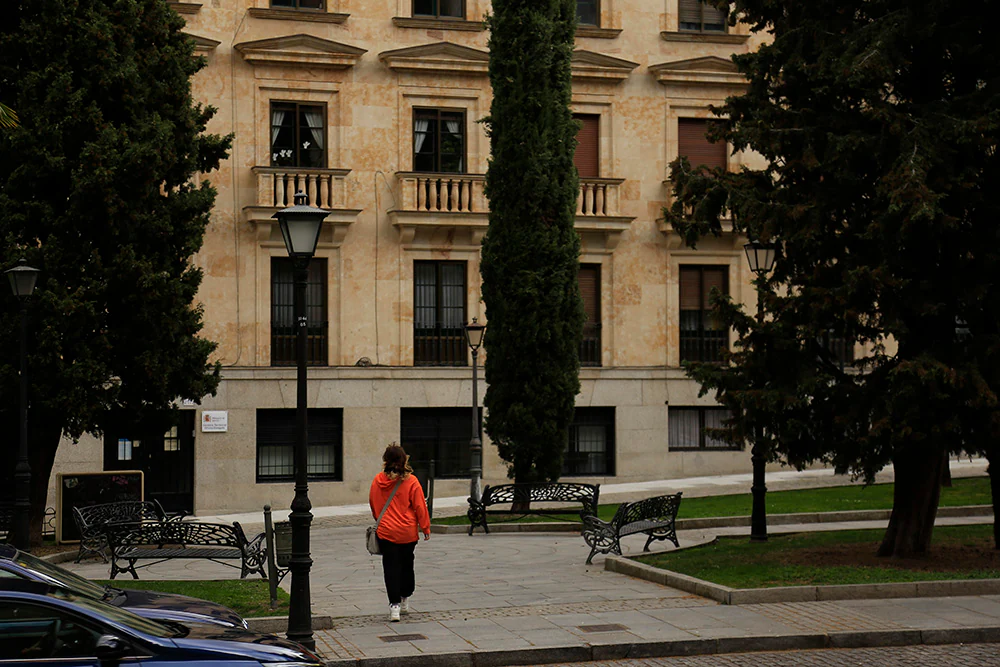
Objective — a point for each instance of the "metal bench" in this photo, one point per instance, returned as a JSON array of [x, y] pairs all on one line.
[[92, 522], [167, 540], [518, 494], [653, 516]]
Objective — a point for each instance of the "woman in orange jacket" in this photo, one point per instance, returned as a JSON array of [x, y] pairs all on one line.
[[397, 532]]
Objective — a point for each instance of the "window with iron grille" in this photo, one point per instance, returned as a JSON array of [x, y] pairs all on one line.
[[439, 314], [448, 9], [696, 16], [298, 135], [702, 336], [840, 347], [276, 444], [591, 449], [439, 141], [438, 434], [693, 143], [283, 331], [686, 428], [588, 12], [298, 4], [590, 291]]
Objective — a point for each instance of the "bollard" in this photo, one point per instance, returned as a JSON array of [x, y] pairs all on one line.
[[272, 572]]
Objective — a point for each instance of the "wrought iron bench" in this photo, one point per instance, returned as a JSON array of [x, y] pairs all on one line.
[[166, 540], [653, 516], [519, 494], [92, 522]]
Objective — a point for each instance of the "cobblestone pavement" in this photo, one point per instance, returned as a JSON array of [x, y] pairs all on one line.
[[952, 655]]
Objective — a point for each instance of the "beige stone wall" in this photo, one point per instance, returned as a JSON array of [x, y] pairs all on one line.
[[636, 72]]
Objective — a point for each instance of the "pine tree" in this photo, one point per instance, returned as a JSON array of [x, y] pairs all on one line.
[[879, 124], [531, 251], [96, 192]]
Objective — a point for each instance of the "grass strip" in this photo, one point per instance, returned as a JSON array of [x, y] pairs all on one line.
[[964, 491], [248, 598], [832, 558]]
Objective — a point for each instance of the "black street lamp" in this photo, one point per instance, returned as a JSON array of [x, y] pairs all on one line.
[[474, 335], [300, 227], [22, 282], [760, 257]]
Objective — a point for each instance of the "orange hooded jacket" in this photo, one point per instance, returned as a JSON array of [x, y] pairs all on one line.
[[407, 511]]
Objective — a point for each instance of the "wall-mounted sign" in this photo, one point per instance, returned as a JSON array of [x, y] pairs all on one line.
[[214, 421], [188, 403]]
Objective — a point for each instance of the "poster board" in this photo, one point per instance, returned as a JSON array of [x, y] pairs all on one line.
[[83, 489]]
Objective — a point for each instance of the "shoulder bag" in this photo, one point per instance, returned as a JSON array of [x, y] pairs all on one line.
[[371, 537]]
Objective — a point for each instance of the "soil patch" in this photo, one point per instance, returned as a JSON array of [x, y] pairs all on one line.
[[946, 556]]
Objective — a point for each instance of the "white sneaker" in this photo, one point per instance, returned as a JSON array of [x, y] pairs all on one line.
[[404, 606], [394, 612]]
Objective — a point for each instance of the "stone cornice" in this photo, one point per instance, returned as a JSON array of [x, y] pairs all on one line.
[[438, 24], [708, 70], [589, 65], [300, 51], [203, 44], [185, 7], [334, 231], [596, 32], [704, 37], [440, 57], [282, 14]]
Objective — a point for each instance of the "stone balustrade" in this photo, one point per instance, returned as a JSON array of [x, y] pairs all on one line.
[[325, 188], [598, 197], [451, 193]]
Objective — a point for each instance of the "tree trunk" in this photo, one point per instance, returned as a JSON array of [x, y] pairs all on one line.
[[993, 456], [42, 445], [914, 504], [946, 471]]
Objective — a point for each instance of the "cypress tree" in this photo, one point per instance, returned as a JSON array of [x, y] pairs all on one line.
[[530, 257], [96, 192], [879, 123]]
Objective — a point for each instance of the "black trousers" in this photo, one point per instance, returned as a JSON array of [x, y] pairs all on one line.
[[397, 568]]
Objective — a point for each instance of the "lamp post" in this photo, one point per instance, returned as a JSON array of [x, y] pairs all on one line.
[[474, 335], [760, 257], [300, 227], [22, 282]]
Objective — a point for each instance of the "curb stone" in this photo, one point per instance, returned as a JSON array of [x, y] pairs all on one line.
[[734, 596], [686, 647], [278, 624]]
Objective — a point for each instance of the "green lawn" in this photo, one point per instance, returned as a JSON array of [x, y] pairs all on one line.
[[965, 491], [826, 558], [248, 597]]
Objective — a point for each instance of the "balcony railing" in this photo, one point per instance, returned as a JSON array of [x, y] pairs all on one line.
[[598, 196], [590, 346], [440, 346], [325, 188], [703, 345], [451, 193]]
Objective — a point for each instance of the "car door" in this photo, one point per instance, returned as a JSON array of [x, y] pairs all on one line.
[[32, 633]]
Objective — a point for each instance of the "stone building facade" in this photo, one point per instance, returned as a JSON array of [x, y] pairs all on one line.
[[371, 107]]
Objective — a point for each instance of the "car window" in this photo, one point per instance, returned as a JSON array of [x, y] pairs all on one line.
[[33, 631], [120, 616], [60, 576]]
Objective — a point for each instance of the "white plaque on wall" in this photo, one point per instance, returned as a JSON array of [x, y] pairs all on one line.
[[214, 421]]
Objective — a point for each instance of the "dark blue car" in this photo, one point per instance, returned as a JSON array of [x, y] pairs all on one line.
[[158, 606], [46, 625]]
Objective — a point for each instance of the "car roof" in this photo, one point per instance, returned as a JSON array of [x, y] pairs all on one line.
[[18, 585]]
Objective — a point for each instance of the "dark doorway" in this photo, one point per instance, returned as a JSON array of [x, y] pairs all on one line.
[[166, 458]]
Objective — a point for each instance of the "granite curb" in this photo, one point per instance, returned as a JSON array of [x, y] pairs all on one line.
[[278, 624], [721, 521], [736, 596], [685, 647]]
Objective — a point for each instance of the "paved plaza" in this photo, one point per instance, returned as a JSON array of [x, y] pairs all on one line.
[[519, 598]]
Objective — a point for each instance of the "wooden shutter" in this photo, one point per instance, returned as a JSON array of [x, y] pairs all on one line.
[[690, 289], [714, 277], [587, 156], [689, 12], [590, 290], [695, 145]]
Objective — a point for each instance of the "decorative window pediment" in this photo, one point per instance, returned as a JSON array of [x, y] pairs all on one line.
[[709, 70], [440, 57], [203, 44], [300, 51], [589, 65]]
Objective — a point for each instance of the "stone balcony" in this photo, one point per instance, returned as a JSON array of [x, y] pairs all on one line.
[[438, 210], [324, 188]]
